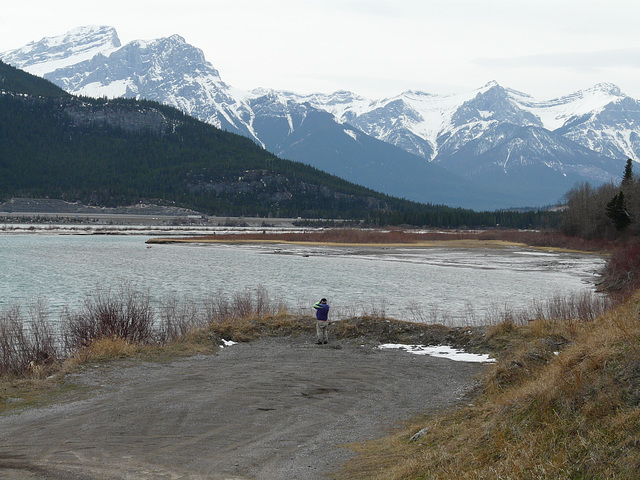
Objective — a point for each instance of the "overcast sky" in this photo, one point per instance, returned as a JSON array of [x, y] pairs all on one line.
[[376, 48]]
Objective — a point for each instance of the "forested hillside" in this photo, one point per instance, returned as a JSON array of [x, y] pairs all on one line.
[[119, 152], [16, 81]]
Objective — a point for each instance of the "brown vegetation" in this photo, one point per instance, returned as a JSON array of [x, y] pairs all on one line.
[[562, 402], [621, 273], [351, 236]]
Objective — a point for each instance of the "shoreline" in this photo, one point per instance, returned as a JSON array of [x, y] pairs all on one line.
[[454, 243]]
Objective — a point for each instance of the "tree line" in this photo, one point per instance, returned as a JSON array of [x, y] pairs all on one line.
[[611, 210]]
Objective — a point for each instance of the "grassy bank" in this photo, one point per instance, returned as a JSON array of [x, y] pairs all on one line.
[[562, 402]]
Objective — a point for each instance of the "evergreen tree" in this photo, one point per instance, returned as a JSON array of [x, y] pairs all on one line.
[[617, 212], [628, 172]]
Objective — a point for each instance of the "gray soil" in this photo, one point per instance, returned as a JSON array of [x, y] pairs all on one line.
[[276, 408]]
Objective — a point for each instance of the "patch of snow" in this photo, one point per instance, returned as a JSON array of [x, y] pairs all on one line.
[[352, 134], [112, 90], [535, 253], [555, 113], [441, 351]]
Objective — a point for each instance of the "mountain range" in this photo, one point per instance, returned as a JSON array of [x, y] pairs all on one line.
[[96, 153], [490, 148]]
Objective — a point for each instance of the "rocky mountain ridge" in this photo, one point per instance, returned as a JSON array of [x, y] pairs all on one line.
[[489, 148]]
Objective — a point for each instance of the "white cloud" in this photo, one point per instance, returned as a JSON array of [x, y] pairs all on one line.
[[580, 61]]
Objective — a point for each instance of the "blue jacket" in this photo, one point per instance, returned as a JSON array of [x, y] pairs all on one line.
[[322, 311]]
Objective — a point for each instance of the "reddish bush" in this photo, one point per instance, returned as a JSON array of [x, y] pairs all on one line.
[[621, 273]]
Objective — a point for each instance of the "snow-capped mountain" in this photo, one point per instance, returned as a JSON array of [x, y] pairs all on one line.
[[489, 148], [52, 53]]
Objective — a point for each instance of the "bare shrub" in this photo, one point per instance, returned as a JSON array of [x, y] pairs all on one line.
[[177, 318], [128, 316], [44, 344], [621, 274], [579, 307], [13, 348], [375, 308], [217, 307], [242, 305], [27, 345], [434, 314]]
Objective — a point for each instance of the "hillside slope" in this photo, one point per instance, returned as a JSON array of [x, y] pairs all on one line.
[[123, 151]]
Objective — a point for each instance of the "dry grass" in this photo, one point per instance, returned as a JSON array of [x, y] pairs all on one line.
[[353, 236], [563, 402], [244, 329], [106, 349]]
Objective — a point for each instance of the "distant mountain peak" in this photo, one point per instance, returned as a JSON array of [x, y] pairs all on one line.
[[81, 34], [606, 87], [75, 46], [492, 83]]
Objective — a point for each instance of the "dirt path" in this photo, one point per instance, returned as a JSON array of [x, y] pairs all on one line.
[[277, 408]]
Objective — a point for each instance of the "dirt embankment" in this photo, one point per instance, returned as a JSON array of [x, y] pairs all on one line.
[[274, 408]]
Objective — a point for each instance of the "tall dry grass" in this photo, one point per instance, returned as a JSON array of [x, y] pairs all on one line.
[[568, 309], [563, 402]]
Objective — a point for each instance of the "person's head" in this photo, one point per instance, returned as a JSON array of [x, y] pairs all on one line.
[[324, 300]]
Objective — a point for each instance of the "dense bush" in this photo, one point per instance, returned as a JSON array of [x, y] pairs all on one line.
[[621, 273], [127, 316]]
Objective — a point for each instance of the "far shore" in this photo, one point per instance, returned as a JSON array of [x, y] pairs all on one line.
[[453, 243], [397, 238]]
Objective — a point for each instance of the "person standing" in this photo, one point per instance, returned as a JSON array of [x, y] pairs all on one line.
[[322, 321]]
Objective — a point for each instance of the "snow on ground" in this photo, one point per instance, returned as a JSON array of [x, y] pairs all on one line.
[[442, 351]]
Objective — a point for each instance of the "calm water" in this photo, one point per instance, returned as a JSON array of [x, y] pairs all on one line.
[[64, 269]]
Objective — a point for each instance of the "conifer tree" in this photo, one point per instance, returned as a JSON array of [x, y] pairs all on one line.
[[617, 212], [628, 172]]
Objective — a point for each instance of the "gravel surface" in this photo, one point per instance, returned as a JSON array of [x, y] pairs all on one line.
[[276, 408]]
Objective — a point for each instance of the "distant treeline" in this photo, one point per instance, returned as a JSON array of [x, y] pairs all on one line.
[[609, 211], [447, 217]]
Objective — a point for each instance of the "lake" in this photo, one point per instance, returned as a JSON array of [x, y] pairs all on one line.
[[406, 283]]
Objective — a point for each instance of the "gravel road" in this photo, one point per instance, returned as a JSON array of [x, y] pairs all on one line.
[[276, 408]]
